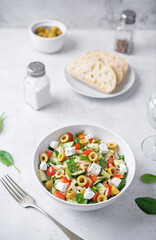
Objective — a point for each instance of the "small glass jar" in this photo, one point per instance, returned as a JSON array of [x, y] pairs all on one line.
[[124, 32], [36, 86]]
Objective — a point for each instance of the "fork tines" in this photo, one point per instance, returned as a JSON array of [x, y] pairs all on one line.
[[16, 192]]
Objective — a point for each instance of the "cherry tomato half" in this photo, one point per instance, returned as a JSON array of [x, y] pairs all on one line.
[[50, 171]]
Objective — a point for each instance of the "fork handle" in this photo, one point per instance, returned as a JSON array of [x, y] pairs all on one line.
[[70, 235]]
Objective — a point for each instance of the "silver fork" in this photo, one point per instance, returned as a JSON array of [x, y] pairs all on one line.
[[25, 200]]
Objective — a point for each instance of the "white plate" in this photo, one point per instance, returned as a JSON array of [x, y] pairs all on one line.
[[88, 91]]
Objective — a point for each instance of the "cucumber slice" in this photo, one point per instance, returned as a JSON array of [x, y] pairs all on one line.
[[105, 174], [76, 174], [53, 190], [100, 188], [99, 180], [42, 176], [85, 201], [94, 146], [109, 153], [71, 200]]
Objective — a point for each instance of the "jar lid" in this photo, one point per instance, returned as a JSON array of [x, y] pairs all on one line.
[[36, 69], [128, 16]]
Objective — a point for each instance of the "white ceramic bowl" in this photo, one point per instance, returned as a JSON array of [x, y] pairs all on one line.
[[101, 133], [47, 45]]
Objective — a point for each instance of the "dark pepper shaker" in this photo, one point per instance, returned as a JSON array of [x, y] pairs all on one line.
[[124, 32]]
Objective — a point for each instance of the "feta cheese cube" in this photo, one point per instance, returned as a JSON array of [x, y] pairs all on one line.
[[116, 181], [103, 148], [43, 166], [88, 194], [62, 187], [69, 151], [95, 169], [89, 136], [53, 144], [122, 168]]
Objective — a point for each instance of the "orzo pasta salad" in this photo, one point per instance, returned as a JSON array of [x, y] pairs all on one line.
[[82, 169]]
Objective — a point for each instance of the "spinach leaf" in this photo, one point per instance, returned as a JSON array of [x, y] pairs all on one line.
[[80, 198], [93, 188], [122, 157], [72, 166], [97, 141], [1, 121], [103, 163], [148, 178], [77, 134], [83, 157], [7, 159], [146, 204], [56, 153], [125, 175], [122, 184], [91, 202], [50, 148], [76, 139]]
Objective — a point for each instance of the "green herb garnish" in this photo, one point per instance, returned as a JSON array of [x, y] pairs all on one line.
[[146, 204], [7, 159], [148, 178], [1, 121]]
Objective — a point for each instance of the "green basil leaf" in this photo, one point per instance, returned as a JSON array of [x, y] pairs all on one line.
[[103, 163], [80, 198], [56, 153], [7, 159], [146, 204], [122, 184], [148, 178], [1, 121]]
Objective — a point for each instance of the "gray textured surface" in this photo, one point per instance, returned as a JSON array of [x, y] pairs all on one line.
[[24, 128], [76, 13]]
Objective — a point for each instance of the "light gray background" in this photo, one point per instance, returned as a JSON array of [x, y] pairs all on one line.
[[84, 14]]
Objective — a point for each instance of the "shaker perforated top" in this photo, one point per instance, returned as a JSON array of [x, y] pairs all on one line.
[[36, 69], [128, 16]]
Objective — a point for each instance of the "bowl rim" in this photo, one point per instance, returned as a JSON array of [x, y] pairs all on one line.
[[47, 20], [78, 204]]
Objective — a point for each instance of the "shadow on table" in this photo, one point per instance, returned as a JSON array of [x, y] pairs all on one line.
[[127, 95], [68, 46]]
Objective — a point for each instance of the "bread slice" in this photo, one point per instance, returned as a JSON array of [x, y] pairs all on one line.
[[120, 60], [93, 72], [107, 59]]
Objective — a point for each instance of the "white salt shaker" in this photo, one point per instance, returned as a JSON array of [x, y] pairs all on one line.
[[36, 86]]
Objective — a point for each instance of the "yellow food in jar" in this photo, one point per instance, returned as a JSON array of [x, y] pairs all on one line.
[[48, 32]]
